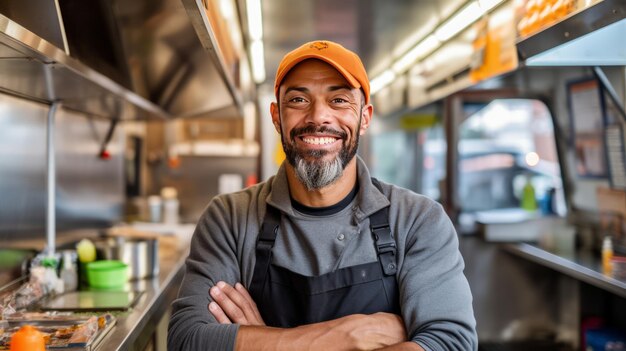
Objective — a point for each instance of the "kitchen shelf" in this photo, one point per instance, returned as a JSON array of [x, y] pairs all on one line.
[[35, 69], [200, 22], [580, 265], [588, 37]]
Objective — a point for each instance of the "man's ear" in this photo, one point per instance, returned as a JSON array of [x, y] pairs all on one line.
[[366, 117], [275, 116]]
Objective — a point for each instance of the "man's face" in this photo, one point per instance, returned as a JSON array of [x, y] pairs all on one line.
[[320, 119]]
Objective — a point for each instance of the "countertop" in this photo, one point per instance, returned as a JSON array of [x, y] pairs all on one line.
[[138, 324], [579, 264]]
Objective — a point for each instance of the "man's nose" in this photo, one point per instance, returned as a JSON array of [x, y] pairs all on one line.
[[320, 113]]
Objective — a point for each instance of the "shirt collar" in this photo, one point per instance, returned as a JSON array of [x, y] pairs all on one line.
[[369, 199]]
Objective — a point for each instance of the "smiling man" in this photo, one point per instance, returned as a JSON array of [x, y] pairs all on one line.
[[321, 256]]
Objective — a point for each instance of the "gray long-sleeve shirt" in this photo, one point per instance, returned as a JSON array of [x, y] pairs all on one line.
[[435, 298]]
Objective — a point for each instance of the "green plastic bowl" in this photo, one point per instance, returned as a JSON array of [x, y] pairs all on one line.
[[107, 274]]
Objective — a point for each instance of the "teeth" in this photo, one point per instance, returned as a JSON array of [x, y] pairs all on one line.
[[318, 141]]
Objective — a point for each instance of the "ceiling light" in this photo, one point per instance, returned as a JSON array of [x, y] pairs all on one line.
[[255, 19], [423, 48], [226, 8], [382, 81], [258, 61], [487, 5], [461, 20]]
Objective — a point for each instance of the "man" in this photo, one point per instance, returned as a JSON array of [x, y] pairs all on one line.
[[321, 256]]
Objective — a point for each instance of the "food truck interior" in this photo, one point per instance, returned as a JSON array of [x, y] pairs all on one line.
[[120, 120]]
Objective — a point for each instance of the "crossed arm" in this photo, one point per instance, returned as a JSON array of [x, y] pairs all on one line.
[[379, 331]]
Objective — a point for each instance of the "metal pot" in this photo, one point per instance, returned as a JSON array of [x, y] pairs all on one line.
[[141, 255]]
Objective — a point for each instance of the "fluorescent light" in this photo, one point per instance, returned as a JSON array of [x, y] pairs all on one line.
[[382, 81], [468, 15], [487, 5], [420, 50], [255, 19], [258, 61], [226, 8]]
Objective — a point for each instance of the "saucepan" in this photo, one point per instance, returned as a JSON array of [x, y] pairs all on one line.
[[141, 255]]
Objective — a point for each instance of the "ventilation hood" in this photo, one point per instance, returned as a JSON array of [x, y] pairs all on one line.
[[168, 63], [144, 53], [593, 36]]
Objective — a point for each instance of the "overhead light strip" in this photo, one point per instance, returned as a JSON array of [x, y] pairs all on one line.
[[255, 19], [461, 20], [488, 5], [382, 81], [444, 32], [421, 50], [255, 31], [258, 61]]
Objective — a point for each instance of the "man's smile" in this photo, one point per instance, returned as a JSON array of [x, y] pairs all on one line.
[[318, 140]]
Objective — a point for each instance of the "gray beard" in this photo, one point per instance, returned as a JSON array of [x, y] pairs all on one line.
[[318, 174]]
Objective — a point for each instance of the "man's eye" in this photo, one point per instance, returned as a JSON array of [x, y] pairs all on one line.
[[339, 100], [297, 99]]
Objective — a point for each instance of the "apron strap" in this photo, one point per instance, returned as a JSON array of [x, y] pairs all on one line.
[[265, 243], [385, 244]]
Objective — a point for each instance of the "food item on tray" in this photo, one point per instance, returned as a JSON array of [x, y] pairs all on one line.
[[59, 331], [28, 338], [85, 331]]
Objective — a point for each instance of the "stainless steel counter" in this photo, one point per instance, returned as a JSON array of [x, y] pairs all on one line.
[[581, 265], [134, 329]]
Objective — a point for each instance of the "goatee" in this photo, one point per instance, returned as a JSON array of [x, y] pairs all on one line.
[[313, 171]]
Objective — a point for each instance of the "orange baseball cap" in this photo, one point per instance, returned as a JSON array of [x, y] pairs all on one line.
[[344, 61]]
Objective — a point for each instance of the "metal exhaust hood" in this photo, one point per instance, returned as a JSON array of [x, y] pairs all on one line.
[[594, 36], [129, 60]]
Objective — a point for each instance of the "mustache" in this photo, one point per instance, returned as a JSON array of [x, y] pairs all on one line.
[[311, 129]]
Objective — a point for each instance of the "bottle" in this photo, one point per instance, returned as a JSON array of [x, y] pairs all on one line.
[[529, 202], [170, 205], [156, 208], [28, 338], [69, 274], [607, 255]]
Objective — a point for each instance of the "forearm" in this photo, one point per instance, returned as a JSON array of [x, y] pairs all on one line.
[[354, 332], [405, 346], [309, 337]]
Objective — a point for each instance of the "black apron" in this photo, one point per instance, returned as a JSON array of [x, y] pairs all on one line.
[[287, 299]]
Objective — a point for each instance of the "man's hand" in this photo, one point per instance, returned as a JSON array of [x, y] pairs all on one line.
[[233, 305], [370, 332]]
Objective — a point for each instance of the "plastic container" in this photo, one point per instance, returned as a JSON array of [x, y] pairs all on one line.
[[107, 274], [28, 338], [619, 267]]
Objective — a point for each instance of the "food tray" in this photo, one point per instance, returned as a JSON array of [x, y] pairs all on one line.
[[62, 331]]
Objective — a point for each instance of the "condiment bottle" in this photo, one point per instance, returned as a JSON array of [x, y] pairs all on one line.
[[607, 255], [28, 338], [69, 273], [170, 205]]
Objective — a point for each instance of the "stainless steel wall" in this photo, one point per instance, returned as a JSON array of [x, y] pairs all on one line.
[[197, 180], [90, 191]]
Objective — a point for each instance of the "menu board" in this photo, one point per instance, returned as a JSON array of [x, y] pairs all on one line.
[[588, 128], [616, 156]]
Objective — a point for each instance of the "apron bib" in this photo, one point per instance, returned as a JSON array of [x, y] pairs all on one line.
[[287, 299]]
